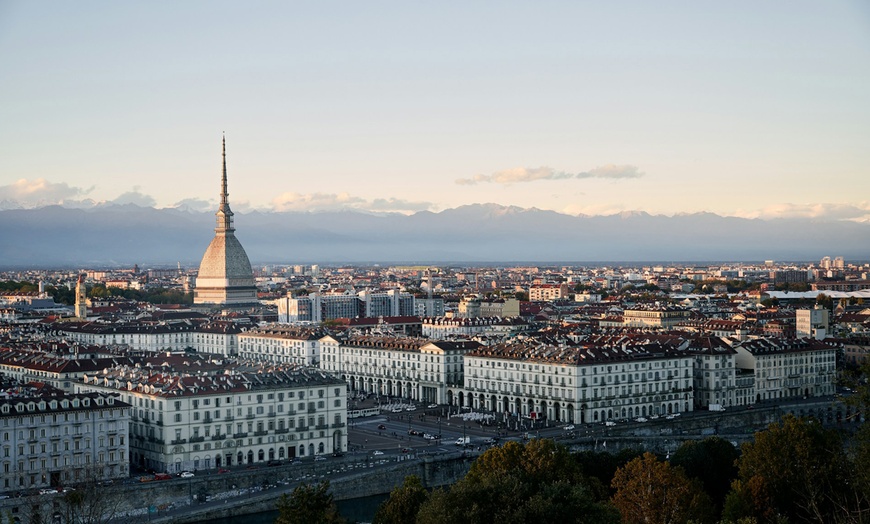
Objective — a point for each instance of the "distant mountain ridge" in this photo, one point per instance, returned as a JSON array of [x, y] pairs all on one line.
[[122, 235]]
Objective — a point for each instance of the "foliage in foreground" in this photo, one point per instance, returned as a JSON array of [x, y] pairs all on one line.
[[308, 504]]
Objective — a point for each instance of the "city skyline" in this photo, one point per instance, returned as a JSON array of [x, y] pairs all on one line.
[[754, 112]]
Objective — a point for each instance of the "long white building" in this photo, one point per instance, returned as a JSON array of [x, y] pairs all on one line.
[[213, 338], [184, 422], [578, 384], [789, 368], [282, 344], [401, 367]]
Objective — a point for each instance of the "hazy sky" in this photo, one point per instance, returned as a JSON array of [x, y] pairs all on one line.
[[738, 108]]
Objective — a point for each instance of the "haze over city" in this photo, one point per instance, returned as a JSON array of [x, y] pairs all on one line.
[[669, 108]]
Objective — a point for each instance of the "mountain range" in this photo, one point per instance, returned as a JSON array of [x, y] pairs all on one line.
[[121, 235]]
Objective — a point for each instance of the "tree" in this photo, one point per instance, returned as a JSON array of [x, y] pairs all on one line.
[[654, 492], [519, 483], [308, 505], [794, 469], [825, 301], [713, 461], [94, 501], [404, 503]]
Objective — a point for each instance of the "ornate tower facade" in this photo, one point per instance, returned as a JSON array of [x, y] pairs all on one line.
[[81, 298], [225, 277]]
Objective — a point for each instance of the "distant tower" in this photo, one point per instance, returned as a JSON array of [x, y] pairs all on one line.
[[225, 276], [81, 299]]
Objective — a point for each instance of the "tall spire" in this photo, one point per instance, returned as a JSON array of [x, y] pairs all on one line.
[[224, 194], [224, 213]]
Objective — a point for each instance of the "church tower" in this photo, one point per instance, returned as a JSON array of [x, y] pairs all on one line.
[[81, 299], [225, 277]]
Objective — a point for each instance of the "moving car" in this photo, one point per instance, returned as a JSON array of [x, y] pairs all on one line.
[[186, 474]]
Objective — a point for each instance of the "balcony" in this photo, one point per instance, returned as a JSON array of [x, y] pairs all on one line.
[[240, 435], [321, 426], [218, 437], [249, 417], [312, 410], [207, 420], [179, 441], [271, 414], [302, 428], [260, 433], [280, 431], [338, 425], [196, 439]]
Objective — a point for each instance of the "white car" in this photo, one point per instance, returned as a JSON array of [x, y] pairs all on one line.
[[610, 423], [186, 474], [377, 452], [430, 406], [569, 427], [640, 419]]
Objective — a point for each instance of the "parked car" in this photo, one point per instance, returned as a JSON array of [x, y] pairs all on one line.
[[569, 427], [222, 470], [430, 406], [319, 458], [381, 426], [273, 463], [186, 474], [377, 452]]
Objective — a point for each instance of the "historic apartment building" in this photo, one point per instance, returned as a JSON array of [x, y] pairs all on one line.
[[181, 421], [282, 344], [213, 338], [401, 367], [788, 368], [53, 438], [578, 384]]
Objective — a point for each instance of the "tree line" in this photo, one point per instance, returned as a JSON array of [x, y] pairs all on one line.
[[64, 295]]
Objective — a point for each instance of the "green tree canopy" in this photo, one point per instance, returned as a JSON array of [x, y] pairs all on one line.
[[517, 483], [308, 504], [794, 469], [404, 503], [713, 461], [653, 492]]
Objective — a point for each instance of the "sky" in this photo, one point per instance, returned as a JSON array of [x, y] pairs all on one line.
[[750, 109]]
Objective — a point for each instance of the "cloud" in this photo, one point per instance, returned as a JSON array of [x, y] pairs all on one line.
[[40, 192], [195, 204], [134, 197], [859, 212], [527, 174], [397, 204], [334, 202]]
